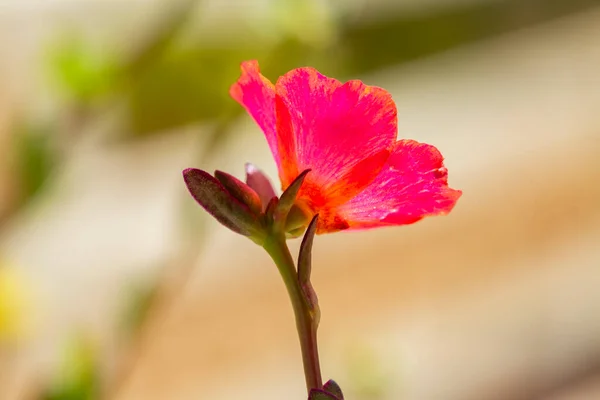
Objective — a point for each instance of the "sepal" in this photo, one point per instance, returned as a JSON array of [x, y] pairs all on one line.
[[296, 222], [330, 391], [270, 210], [286, 201], [318, 394], [305, 267], [332, 387], [288, 197]]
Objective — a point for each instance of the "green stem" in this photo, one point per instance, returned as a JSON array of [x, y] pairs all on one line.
[[306, 323]]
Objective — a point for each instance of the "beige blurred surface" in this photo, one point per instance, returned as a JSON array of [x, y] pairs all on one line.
[[587, 390], [497, 301], [5, 167]]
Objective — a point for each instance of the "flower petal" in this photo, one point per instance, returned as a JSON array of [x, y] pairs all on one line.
[[413, 184], [335, 128], [257, 95]]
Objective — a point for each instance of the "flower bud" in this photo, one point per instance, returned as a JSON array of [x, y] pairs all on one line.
[[222, 205], [240, 191], [261, 184]]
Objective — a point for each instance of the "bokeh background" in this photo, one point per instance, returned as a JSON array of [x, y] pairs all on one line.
[[114, 284]]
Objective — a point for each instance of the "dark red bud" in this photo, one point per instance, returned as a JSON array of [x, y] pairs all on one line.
[[218, 202], [261, 184], [240, 191]]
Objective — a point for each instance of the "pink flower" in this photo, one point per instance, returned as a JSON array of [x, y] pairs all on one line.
[[345, 133]]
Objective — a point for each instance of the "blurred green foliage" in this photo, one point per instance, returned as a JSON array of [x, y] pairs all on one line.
[[78, 377], [35, 156], [183, 87], [167, 85], [81, 74], [399, 38], [138, 301]]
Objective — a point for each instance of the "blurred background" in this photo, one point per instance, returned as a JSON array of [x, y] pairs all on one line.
[[114, 284]]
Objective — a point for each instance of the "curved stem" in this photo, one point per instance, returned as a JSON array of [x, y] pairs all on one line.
[[306, 323]]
